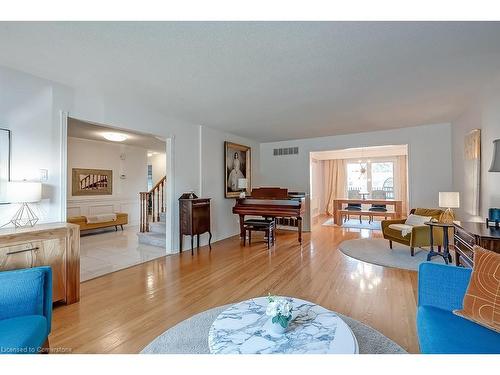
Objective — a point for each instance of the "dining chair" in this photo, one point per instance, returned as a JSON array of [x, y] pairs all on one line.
[[353, 194], [378, 194]]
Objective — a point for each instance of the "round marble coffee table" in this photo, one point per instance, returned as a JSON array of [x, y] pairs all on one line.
[[243, 328]]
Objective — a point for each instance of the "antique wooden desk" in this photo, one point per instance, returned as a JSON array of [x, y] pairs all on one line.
[[194, 220]]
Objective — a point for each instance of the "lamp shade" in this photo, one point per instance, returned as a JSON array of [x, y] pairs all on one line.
[[449, 199], [242, 183], [495, 162], [24, 192]]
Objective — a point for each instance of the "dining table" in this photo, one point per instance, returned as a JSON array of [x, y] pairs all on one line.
[[338, 210]]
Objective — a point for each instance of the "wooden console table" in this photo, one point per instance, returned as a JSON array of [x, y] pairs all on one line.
[[467, 235], [56, 245]]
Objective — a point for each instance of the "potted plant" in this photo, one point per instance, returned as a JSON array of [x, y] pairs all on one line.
[[280, 311]]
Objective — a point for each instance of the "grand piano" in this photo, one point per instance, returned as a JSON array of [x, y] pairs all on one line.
[[272, 202]]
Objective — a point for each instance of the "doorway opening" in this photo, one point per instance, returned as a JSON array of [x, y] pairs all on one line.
[[116, 192], [357, 188]]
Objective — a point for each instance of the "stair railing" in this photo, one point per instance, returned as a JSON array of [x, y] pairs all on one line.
[[152, 204]]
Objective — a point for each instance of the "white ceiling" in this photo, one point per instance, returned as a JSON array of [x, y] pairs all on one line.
[[86, 130], [361, 152], [270, 80]]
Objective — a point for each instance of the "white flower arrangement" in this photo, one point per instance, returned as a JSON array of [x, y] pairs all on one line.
[[280, 310]]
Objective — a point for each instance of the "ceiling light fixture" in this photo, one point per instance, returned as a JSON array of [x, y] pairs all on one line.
[[115, 137]]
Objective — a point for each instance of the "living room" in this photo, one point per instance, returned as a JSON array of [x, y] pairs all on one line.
[[315, 199]]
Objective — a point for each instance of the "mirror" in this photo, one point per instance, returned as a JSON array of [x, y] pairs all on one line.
[[4, 162]]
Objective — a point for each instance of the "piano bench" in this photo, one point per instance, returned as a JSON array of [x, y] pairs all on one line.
[[259, 225]]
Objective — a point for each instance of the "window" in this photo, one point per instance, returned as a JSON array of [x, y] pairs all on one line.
[[357, 177], [150, 176], [369, 176]]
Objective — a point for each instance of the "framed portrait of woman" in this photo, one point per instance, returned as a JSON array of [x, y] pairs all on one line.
[[238, 169]]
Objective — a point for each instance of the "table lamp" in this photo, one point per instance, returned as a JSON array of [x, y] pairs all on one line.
[[242, 184], [24, 192], [449, 200]]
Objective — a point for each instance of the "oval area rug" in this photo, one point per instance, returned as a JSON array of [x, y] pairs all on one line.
[[191, 336], [377, 251]]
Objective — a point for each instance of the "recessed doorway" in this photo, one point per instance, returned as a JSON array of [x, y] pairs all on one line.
[[117, 192], [363, 173]]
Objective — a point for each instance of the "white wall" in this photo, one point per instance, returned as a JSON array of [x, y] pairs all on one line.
[[27, 109], [429, 160], [317, 187], [159, 166], [484, 115], [84, 153], [212, 177]]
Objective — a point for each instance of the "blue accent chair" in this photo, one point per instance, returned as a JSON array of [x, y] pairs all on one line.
[[25, 310], [441, 290]]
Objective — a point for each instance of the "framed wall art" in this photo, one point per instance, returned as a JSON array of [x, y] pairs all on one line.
[[238, 169], [92, 182], [472, 165]]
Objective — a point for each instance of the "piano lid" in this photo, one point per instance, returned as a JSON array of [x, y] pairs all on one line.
[[267, 202], [269, 193]]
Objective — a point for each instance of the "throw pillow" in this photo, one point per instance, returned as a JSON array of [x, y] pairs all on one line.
[[417, 220], [482, 299]]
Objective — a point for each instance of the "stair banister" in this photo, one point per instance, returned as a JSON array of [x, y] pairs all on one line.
[[150, 210]]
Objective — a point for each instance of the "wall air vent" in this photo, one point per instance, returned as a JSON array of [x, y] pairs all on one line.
[[286, 151]]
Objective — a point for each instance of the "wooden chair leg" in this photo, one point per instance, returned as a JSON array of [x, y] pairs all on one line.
[[390, 244], [360, 221], [412, 251], [439, 248], [249, 236], [245, 238], [268, 232]]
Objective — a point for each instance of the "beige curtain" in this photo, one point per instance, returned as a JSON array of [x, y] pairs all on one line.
[[335, 182], [401, 182]]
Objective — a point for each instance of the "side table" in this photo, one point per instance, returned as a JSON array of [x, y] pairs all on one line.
[[446, 243]]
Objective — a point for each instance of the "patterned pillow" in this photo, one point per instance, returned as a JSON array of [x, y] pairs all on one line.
[[482, 299]]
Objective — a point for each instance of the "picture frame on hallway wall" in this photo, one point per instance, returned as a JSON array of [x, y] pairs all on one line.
[[92, 182], [5, 136], [238, 169], [472, 166]]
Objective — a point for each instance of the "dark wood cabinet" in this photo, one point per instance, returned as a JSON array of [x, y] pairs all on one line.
[[194, 220], [469, 234]]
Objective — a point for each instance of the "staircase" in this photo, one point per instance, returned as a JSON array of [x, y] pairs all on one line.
[[153, 223], [156, 234]]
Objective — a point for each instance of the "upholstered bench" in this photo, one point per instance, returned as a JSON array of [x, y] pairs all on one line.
[[100, 221], [262, 225]]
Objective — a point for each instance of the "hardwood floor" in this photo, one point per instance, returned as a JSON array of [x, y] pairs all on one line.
[[123, 311]]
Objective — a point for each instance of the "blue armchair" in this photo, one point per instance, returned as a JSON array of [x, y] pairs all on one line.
[[441, 290], [25, 310]]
